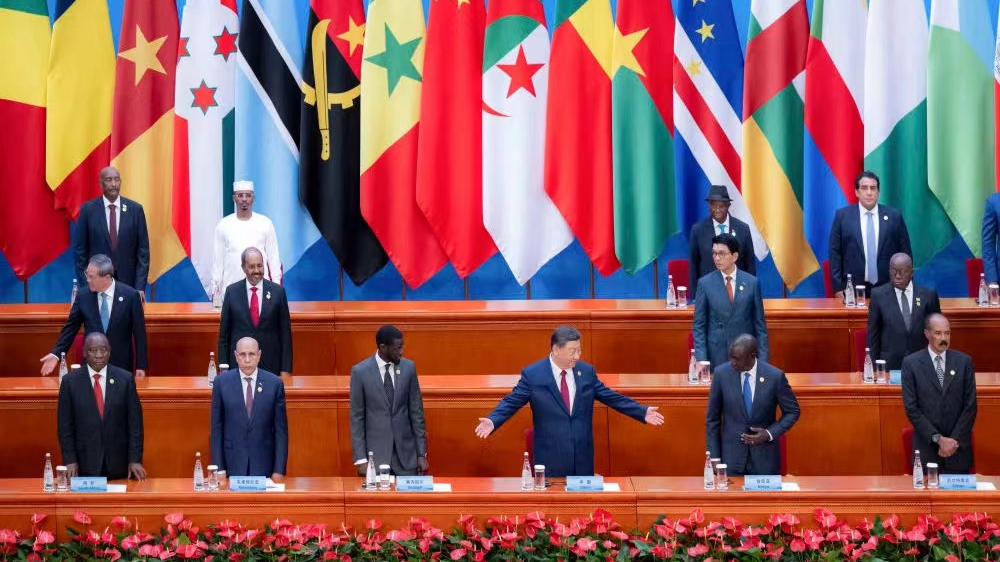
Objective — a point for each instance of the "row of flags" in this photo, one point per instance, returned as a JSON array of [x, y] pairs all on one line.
[[445, 143]]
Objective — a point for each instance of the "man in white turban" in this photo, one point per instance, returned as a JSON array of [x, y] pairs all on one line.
[[237, 232]]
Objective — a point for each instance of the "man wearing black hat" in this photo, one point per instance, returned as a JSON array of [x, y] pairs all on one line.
[[718, 222]]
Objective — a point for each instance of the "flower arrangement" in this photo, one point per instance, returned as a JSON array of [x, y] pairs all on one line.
[[535, 537]]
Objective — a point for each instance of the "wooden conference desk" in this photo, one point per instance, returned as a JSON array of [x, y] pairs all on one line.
[[334, 500], [490, 337], [846, 428]]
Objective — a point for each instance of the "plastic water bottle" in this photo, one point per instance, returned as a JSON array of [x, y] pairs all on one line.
[[984, 291], [849, 292], [709, 472], [212, 371], [918, 471], [48, 478], [671, 292], [76, 289], [692, 369], [527, 479], [199, 474], [371, 478], [63, 368], [869, 369]]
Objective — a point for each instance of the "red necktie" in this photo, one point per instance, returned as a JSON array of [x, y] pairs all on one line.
[[113, 227], [564, 390], [729, 287], [98, 395], [254, 307]]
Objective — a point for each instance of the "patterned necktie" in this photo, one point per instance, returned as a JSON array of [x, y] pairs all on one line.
[[939, 367], [248, 396], [105, 312], [747, 394], [254, 307], [390, 391], [729, 287], [871, 254], [113, 227], [904, 304], [722, 229], [564, 390], [98, 395]]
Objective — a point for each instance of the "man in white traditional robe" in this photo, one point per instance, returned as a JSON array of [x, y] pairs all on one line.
[[237, 232]]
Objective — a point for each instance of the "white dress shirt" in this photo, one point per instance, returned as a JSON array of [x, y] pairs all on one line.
[[909, 297], [570, 381], [753, 390], [110, 292], [944, 360], [253, 383], [232, 236], [118, 212], [716, 225], [864, 233], [103, 382], [733, 275], [260, 294], [381, 370]]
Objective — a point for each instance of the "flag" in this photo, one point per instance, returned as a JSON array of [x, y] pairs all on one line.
[[773, 132], [142, 129], [32, 232], [525, 224], [390, 118], [79, 91], [642, 124], [896, 120], [835, 136], [578, 158], [960, 138], [450, 151], [269, 56], [203, 126], [708, 109], [329, 174]]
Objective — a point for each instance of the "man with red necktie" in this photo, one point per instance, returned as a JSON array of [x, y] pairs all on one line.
[[257, 308], [561, 390]]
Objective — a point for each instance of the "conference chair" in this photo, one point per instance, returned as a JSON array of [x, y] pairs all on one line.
[[907, 438], [973, 269], [679, 270], [827, 279]]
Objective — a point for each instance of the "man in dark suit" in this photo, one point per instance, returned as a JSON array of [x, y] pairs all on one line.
[[387, 410], [561, 390], [257, 308], [249, 434], [100, 417], [719, 221], [742, 424], [112, 308], [991, 235], [896, 314], [116, 227], [939, 395], [728, 305], [864, 236]]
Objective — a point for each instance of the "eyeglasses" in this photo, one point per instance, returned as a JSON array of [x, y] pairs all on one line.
[[721, 254]]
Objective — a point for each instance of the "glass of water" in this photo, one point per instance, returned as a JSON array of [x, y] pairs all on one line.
[[213, 478], [881, 374], [994, 295], [383, 476], [62, 481], [721, 479], [705, 372], [682, 297], [859, 296], [539, 476], [933, 480]]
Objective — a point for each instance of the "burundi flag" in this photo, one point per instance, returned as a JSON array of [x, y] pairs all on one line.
[[960, 136], [203, 127], [450, 152], [330, 136], [142, 131], [578, 157], [773, 132], [525, 224], [32, 231], [79, 93], [896, 120], [642, 124], [390, 118]]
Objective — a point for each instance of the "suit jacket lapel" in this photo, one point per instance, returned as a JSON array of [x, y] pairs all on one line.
[[556, 393], [378, 386], [854, 225], [897, 312], [258, 394], [735, 389], [110, 392], [104, 219], [949, 368], [929, 372], [883, 231], [117, 307], [265, 303], [243, 302]]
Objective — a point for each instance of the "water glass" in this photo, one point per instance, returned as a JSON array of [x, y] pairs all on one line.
[[539, 476], [881, 374], [859, 296], [213, 478], [383, 476], [994, 295], [933, 481], [721, 480], [705, 372], [220, 479], [682, 297], [715, 463], [62, 481]]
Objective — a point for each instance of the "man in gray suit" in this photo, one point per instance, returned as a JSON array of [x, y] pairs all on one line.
[[728, 304], [387, 411]]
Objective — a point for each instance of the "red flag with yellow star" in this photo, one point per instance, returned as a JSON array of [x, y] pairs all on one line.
[[142, 122]]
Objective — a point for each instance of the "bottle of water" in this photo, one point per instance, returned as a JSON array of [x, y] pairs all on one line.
[[371, 478], [63, 368], [48, 478], [869, 368], [709, 472], [918, 471], [527, 480], [984, 291], [212, 371], [671, 292], [76, 289], [849, 292], [692, 369], [199, 474]]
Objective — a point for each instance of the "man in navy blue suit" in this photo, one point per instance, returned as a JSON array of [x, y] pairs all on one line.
[[561, 390], [863, 238], [116, 227], [741, 423], [111, 308], [991, 229], [719, 221], [728, 304]]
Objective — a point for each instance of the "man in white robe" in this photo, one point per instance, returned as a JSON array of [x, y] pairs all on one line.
[[237, 232]]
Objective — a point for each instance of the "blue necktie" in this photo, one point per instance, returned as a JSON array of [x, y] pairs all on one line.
[[747, 395], [722, 229], [872, 254], [105, 313]]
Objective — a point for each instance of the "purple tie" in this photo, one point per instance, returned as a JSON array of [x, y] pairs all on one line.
[[564, 390], [249, 395]]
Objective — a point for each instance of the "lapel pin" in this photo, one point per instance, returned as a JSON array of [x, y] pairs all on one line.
[[121, 299], [397, 371], [741, 287], [112, 381], [268, 295], [918, 301], [953, 372], [124, 208], [579, 373], [260, 388], [885, 217], [761, 379]]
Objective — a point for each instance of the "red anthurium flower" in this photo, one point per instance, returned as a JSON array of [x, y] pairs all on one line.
[[826, 519], [8, 536], [697, 517], [457, 554], [697, 550], [662, 551], [951, 558], [37, 518], [373, 524], [34, 557], [81, 518], [174, 518], [121, 523], [731, 523]]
